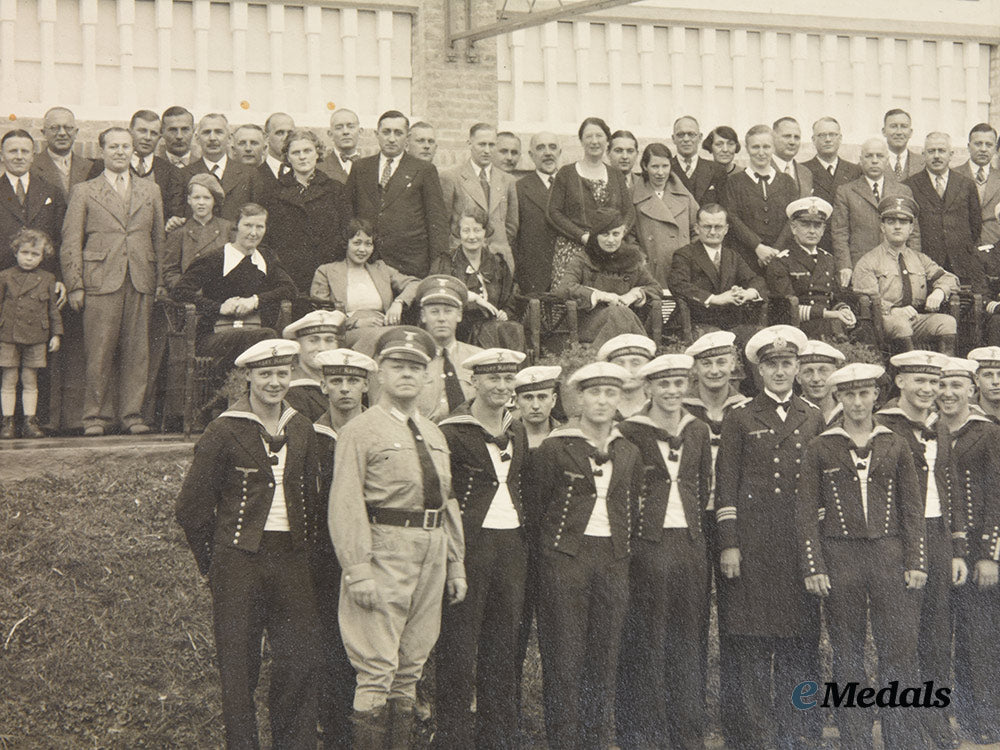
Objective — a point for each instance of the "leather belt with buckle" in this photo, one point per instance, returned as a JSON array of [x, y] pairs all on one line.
[[432, 518]]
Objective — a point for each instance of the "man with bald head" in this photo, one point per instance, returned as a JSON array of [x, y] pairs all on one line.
[[239, 181], [57, 164], [950, 218], [422, 141], [344, 131], [536, 241], [855, 224], [702, 177]]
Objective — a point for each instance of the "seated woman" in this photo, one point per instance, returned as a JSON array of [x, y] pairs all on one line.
[[609, 281], [486, 321], [369, 291], [237, 290], [205, 232]]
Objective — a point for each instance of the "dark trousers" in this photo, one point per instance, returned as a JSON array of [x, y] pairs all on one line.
[[758, 664], [252, 592], [527, 616], [866, 578], [977, 658], [661, 682], [581, 611], [477, 649], [934, 642], [337, 677]]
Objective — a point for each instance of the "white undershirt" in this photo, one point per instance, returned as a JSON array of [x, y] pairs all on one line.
[[277, 516], [362, 294], [674, 517], [861, 466], [599, 524], [501, 513], [932, 509]]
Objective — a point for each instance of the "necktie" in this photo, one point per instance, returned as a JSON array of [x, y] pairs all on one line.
[[939, 185], [21, 195], [452, 388], [429, 475], [875, 192], [862, 453], [830, 169], [789, 170], [215, 172], [981, 176], [688, 166], [600, 459], [386, 174], [484, 182], [904, 278], [121, 189], [274, 444], [349, 157], [898, 169], [501, 441], [762, 180]]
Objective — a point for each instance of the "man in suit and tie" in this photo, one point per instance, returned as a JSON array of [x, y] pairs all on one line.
[[249, 145], [950, 217], [276, 130], [536, 240], [712, 278], [828, 169], [112, 253], [787, 142], [508, 152], [344, 131], [701, 177], [980, 169], [401, 196], [238, 180], [856, 224], [479, 182], [178, 130], [422, 141], [897, 128], [57, 164]]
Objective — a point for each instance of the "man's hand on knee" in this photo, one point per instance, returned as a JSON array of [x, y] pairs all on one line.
[[365, 594]]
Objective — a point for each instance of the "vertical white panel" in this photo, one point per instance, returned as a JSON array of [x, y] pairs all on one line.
[[126, 51], [710, 110], [677, 42], [915, 63], [858, 114], [349, 40], [313, 26], [8, 25], [164, 25], [201, 22], [47, 47], [614, 46], [886, 63], [517, 41], [739, 55], [550, 44], [276, 31], [971, 63], [384, 35], [945, 60], [647, 46], [581, 43], [238, 22], [769, 50], [828, 59], [800, 56], [88, 30]]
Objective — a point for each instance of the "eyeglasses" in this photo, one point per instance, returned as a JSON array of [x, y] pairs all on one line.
[[713, 227], [686, 134], [60, 128]]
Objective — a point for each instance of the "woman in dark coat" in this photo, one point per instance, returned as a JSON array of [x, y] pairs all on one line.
[[579, 189], [308, 211], [609, 280]]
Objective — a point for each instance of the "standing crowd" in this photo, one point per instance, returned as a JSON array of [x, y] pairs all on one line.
[[398, 480]]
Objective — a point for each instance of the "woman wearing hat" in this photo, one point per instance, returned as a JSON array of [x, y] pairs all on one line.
[[579, 189], [609, 280], [200, 235]]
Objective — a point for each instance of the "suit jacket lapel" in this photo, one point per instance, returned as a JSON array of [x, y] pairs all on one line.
[[580, 459], [796, 416], [470, 183], [861, 188], [619, 476], [110, 200], [248, 436], [9, 200], [536, 191], [397, 183], [992, 187], [34, 202]]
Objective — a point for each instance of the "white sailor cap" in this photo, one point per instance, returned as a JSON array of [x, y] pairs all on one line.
[[537, 378], [712, 345], [957, 367], [820, 352], [494, 360], [919, 361], [346, 362], [626, 344], [855, 375], [318, 321], [269, 353], [667, 366], [775, 341], [987, 356], [600, 373], [810, 208]]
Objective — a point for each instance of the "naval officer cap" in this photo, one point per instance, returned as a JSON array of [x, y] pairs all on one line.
[[537, 378], [441, 289], [809, 208], [667, 366], [988, 357], [712, 344], [408, 343], [345, 362], [627, 344], [919, 361], [600, 373], [898, 206], [494, 360], [775, 341], [318, 321], [269, 353], [855, 375], [820, 352], [956, 367]]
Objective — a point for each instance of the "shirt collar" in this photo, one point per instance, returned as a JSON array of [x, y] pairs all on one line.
[[683, 160], [545, 178], [871, 183], [643, 418], [776, 397], [479, 170], [63, 162], [142, 164], [25, 180], [782, 164], [812, 253], [275, 165], [769, 174], [942, 176], [221, 162], [112, 178], [232, 257], [827, 164]]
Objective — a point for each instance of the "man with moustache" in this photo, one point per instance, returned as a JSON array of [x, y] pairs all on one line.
[[238, 180], [897, 127], [787, 142], [249, 145], [987, 397], [817, 362], [702, 177], [422, 141], [57, 164], [178, 130], [623, 153], [344, 131], [976, 605], [536, 240], [855, 225], [276, 129]]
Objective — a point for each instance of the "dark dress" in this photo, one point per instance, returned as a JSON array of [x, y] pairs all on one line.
[[494, 281]]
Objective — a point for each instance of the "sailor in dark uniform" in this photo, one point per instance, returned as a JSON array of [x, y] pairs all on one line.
[[316, 332], [860, 529], [987, 381], [816, 364], [912, 418], [975, 442], [661, 682], [247, 507], [477, 650], [585, 480], [631, 351], [344, 382], [764, 611]]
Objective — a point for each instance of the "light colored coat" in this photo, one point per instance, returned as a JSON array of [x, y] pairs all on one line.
[[855, 224], [989, 200], [663, 225], [461, 188]]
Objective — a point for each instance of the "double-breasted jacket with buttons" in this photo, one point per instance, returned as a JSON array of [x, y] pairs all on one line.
[[563, 493], [830, 503], [28, 310], [227, 493], [756, 473], [952, 509], [977, 468], [474, 481], [694, 475]]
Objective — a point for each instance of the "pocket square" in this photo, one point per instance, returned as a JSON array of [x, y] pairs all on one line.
[[47, 201]]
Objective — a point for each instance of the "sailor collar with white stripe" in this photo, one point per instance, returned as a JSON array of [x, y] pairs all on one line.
[[322, 429], [896, 411], [505, 423], [880, 429], [643, 418], [286, 415], [232, 257], [974, 415], [570, 431], [734, 399]]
